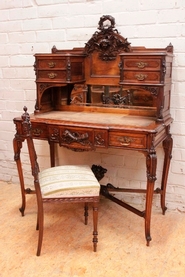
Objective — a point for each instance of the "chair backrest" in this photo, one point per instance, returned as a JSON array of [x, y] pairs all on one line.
[[27, 133]]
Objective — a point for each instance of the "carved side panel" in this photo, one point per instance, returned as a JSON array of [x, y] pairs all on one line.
[[79, 94]]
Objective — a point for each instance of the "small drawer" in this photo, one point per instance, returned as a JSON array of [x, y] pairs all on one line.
[[54, 75], [142, 64], [127, 140], [51, 63], [39, 131], [78, 139], [141, 77]]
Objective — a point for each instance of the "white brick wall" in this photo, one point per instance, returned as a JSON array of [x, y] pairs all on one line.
[[29, 27]]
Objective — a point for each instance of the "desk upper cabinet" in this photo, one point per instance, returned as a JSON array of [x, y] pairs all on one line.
[[53, 73], [147, 75], [108, 73]]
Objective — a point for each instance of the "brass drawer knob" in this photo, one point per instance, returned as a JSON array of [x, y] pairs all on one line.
[[141, 64], [51, 64], [52, 75], [125, 141], [141, 77]]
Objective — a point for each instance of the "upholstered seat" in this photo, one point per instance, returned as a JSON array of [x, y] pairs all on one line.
[[66, 183]]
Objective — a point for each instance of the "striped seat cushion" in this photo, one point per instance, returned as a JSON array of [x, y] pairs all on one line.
[[68, 181]]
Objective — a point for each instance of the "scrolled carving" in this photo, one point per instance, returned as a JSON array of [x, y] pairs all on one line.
[[70, 137], [54, 136], [99, 140], [117, 99], [37, 132], [153, 90], [107, 41], [78, 94], [163, 69], [43, 87]]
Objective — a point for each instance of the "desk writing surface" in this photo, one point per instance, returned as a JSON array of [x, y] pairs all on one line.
[[90, 119]]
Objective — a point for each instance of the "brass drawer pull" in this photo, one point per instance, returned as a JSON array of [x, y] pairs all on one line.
[[36, 132], [75, 137], [51, 64], [141, 64], [52, 75], [125, 141], [141, 77]]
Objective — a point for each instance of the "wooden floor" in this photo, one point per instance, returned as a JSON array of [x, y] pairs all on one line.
[[67, 246]]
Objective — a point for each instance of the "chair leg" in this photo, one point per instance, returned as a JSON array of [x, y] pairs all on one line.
[[37, 225], [40, 224], [95, 225], [86, 212]]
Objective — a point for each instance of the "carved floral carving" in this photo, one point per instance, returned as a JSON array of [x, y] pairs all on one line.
[[107, 41], [99, 140]]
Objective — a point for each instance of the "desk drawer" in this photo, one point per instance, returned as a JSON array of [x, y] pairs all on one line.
[[51, 63], [142, 64], [141, 77], [54, 75], [39, 131], [77, 138], [128, 140]]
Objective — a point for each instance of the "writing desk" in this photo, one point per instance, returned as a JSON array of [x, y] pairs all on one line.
[[105, 95]]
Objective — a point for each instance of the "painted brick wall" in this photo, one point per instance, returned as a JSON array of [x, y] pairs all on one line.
[[33, 26]]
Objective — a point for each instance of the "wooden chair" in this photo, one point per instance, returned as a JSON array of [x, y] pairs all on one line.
[[67, 183]]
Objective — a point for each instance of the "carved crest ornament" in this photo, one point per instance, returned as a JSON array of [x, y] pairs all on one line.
[[107, 42]]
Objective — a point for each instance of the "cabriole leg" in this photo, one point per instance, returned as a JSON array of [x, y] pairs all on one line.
[[151, 163], [17, 145], [167, 146]]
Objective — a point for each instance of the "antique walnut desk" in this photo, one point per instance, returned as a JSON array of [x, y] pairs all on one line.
[[107, 94]]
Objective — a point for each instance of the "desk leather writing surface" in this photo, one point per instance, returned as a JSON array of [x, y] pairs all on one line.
[[105, 119]]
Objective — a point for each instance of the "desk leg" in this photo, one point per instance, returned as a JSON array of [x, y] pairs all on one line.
[[151, 164], [167, 146], [52, 153], [17, 145]]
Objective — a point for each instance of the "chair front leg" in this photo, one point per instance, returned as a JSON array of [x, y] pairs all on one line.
[[95, 225]]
